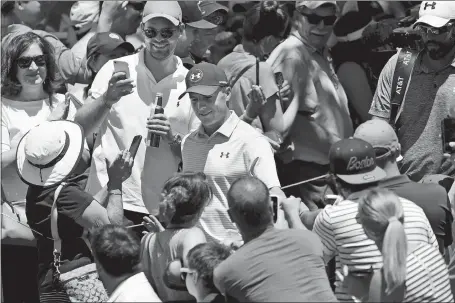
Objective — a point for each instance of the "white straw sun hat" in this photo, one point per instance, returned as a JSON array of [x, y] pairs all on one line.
[[49, 152]]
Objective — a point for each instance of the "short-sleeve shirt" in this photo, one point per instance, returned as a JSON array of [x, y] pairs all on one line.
[[433, 200], [343, 237], [323, 115], [225, 156], [429, 99], [17, 119], [277, 266], [127, 118], [71, 204], [158, 250], [232, 65]]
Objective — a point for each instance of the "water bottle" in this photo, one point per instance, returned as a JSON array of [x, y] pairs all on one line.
[[153, 140]]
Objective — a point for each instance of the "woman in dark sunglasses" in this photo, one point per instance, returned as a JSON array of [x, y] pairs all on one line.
[[28, 98]]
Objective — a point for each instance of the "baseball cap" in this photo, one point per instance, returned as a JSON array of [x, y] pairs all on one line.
[[192, 15], [436, 13], [209, 7], [105, 43], [165, 9], [204, 78], [314, 4], [84, 12], [380, 135], [354, 161]]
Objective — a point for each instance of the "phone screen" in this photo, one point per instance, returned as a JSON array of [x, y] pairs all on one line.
[[121, 66], [274, 207], [135, 145], [279, 79], [447, 133]]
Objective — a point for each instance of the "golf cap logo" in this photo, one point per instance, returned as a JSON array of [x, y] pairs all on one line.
[[196, 76]]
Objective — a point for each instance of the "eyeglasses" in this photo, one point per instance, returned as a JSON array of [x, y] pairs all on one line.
[[316, 19], [166, 33], [25, 62], [425, 30], [184, 272]]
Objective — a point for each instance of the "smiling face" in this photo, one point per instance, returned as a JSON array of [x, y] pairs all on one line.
[[36, 72], [211, 110], [160, 47], [438, 41], [315, 25]]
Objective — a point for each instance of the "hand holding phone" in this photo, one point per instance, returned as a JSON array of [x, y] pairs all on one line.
[[122, 67], [135, 145], [274, 207]]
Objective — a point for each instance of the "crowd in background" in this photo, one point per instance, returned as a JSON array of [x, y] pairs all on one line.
[[228, 151]]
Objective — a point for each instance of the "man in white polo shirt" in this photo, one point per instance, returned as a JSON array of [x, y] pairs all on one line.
[[224, 148], [119, 110]]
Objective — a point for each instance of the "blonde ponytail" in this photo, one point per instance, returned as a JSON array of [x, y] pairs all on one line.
[[394, 254], [381, 215]]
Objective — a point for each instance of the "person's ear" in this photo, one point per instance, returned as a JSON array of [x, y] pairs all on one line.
[[181, 29]]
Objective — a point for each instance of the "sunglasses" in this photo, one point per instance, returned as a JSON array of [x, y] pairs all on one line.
[[316, 19], [166, 33], [184, 272], [25, 62], [433, 30]]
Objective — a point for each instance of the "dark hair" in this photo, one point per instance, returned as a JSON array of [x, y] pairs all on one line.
[[117, 249], [265, 19], [13, 50], [7, 7], [204, 257], [249, 201], [185, 196]]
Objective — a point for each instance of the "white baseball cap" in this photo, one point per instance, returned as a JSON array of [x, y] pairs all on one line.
[[49, 152], [436, 13], [165, 9]]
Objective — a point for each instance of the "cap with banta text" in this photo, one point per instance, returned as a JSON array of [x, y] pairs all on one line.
[[436, 13], [205, 79], [165, 9], [354, 161]]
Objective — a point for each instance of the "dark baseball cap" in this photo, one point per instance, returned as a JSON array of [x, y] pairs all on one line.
[[205, 78], [192, 15], [105, 43], [209, 7], [354, 161]]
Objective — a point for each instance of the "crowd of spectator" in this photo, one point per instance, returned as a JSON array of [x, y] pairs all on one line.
[[228, 151]]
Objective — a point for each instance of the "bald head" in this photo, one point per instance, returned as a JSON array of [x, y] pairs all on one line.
[[249, 203]]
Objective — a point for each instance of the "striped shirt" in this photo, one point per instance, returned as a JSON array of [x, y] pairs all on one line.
[[225, 156], [427, 277], [344, 238]]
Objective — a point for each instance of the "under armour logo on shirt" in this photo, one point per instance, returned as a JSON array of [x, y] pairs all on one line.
[[224, 155], [178, 103], [432, 5], [196, 76]]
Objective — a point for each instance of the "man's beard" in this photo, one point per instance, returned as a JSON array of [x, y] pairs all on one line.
[[440, 51]]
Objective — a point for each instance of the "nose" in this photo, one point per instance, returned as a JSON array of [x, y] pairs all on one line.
[[33, 66], [321, 24]]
